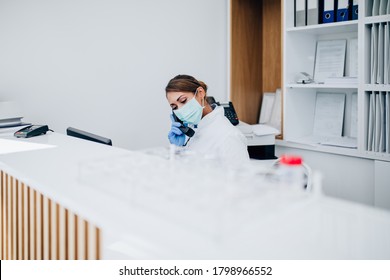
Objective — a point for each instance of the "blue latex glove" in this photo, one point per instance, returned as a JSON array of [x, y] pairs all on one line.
[[175, 135]]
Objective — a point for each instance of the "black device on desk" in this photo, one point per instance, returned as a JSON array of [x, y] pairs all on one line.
[[230, 113], [78, 133], [185, 129], [31, 131]]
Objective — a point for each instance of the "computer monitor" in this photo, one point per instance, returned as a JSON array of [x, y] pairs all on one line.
[[71, 131]]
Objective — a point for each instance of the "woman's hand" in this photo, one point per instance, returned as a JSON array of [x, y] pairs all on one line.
[[175, 135]]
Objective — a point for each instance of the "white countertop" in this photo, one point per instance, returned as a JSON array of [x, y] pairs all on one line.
[[149, 207]]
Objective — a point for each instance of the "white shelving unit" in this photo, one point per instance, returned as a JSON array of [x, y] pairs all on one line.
[[299, 56], [355, 174]]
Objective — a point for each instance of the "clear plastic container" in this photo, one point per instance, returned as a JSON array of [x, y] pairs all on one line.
[[291, 172]]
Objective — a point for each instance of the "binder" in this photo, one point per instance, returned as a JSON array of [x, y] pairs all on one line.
[[342, 10], [375, 7], [300, 13], [312, 12], [387, 103], [374, 53], [386, 48], [355, 9], [328, 14], [371, 122]]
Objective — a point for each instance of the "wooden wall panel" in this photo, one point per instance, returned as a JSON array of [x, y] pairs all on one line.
[[256, 54], [33, 227]]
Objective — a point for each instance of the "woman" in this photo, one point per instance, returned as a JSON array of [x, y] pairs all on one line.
[[214, 135]]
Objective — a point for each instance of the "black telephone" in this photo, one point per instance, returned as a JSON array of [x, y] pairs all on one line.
[[230, 113], [31, 131], [185, 129]]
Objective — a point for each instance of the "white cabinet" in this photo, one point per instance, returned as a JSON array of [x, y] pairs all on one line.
[[382, 184], [299, 100], [358, 173]]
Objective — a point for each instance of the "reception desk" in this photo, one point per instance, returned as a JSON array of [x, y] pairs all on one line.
[[74, 199]]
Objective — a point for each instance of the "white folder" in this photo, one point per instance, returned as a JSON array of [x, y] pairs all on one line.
[[386, 67], [380, 64], [387, 50], [382, 144], [312, 12], [374, 53], [371, 122], [378, 121], [388, 122], [388, 8], [383, 7], [375, 7]]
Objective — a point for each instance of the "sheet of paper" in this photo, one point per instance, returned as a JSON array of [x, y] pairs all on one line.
[[345, 142], [374, 53], [382, 7], [276, 115], [330, 59], [261, 130], [14, 146], [377, 129], [388, 122], [353, 57], [375, 7], [266, 107], [379, 77], [388, 8], [386, 67], [382, 144], [329, 114], [354, 117], [371, 122]]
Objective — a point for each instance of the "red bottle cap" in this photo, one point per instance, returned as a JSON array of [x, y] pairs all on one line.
[[290, 160]]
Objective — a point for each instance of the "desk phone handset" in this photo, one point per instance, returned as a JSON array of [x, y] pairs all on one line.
[[230, 113], [185, 129], [31, 131]]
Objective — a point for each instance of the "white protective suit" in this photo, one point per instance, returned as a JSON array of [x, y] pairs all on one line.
[[216, 137]]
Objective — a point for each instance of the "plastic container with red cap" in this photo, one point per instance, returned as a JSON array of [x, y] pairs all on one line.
[[291, 171]]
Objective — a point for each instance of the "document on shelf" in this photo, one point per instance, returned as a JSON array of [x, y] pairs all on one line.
[[379, 77], [387, 122], [13, 146], [276, 114], [371, 122], [375, 7], [354, 117], [388, 7], [329, 114], [344, 142], [387, 53], [330, 59], [383, 7], [266, 107], [377, 129], [382, 122], [353, 57], [374, 53]]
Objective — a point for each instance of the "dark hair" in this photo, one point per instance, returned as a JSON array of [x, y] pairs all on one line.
[[184, 83]]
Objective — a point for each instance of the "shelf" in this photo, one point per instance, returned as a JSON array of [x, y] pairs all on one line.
[[377, 19], [326, 28], [334, 150], [372, 87], [334, 86]]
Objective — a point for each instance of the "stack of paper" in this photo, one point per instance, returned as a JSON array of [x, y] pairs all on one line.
[[378, 134], [10, 115]]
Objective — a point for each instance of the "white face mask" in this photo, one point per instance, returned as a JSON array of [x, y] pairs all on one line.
[[191, 112]]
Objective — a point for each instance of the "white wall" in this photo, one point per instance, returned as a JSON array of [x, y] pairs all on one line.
[[102, 65]]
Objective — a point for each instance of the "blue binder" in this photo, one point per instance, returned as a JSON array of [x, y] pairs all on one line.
[[355, 10], [342, 10], [328, 13]]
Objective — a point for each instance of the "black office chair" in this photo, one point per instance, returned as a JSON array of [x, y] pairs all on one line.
[[71, 131]]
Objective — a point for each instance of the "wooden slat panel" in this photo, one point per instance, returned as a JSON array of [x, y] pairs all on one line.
[[34, 227]]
